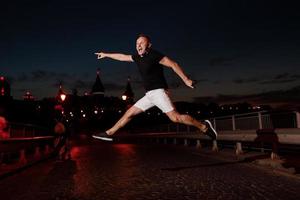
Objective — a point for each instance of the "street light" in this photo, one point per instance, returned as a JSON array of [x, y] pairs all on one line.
[[63, 97], [124, 97], [128, 93], [60, 98]]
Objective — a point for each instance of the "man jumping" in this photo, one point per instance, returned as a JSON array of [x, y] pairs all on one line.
[[150, 64]]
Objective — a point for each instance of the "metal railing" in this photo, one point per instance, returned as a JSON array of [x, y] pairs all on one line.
[[247, 121], [257, 128], [258, 120], [26, 144], [19, 130], [16, 153]]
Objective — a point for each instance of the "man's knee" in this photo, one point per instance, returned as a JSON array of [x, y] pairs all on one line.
[[175, 117], [131, 112]]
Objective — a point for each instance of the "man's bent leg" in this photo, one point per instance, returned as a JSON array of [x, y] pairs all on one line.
[[185, 119], [206, 128], [129, 114]]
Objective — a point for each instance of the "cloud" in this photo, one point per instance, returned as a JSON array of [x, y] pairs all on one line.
[[80, 84], [41, 75], [295, 76], [246, 80], [274, 98], [281, 78], [276, 79], [21, 78], [175, 82], [220, 61], [114, 87]]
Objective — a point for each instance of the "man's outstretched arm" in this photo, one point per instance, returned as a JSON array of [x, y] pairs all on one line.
[[177, 69], [115, 56]]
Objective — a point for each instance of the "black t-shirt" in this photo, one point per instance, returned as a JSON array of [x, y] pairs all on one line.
[[151, 71]]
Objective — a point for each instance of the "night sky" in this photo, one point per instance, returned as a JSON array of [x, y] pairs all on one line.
[[237, 49]]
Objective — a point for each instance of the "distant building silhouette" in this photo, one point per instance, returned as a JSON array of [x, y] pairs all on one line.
[[97, 94], [28, 96], [128, 95], [4, 87], [60, 97], [5, 97], [98, 89]]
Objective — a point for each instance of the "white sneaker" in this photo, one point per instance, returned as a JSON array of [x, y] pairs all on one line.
[[102, 136], [210, 132]]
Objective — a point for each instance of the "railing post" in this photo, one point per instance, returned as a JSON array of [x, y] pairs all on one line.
[[174, 141], [239, 149], [9, 129], [47, 149], [233, 122], [297, 119], [186, 142], [215, 146], [260, 126], [198, 146], [22, 158], [165, 141], [215, 123], [37, 153]]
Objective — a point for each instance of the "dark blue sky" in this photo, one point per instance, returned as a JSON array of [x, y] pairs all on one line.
[[234, 48]]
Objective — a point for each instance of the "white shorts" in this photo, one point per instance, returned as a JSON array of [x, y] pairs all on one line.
[[157, 97]]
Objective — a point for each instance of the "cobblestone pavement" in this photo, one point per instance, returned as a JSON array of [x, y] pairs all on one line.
[[128, 171]]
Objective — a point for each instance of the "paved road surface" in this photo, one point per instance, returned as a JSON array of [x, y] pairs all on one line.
[[128, 172]]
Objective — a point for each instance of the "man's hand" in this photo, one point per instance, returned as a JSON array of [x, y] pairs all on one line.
[[115, 56], [100, 55], [189, 83]]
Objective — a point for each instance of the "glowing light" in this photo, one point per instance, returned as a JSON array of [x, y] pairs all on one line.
[[63, 97], [58, 107], [96, 112], [84, 115], [125, 149], [256, 107], [124, 97]]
